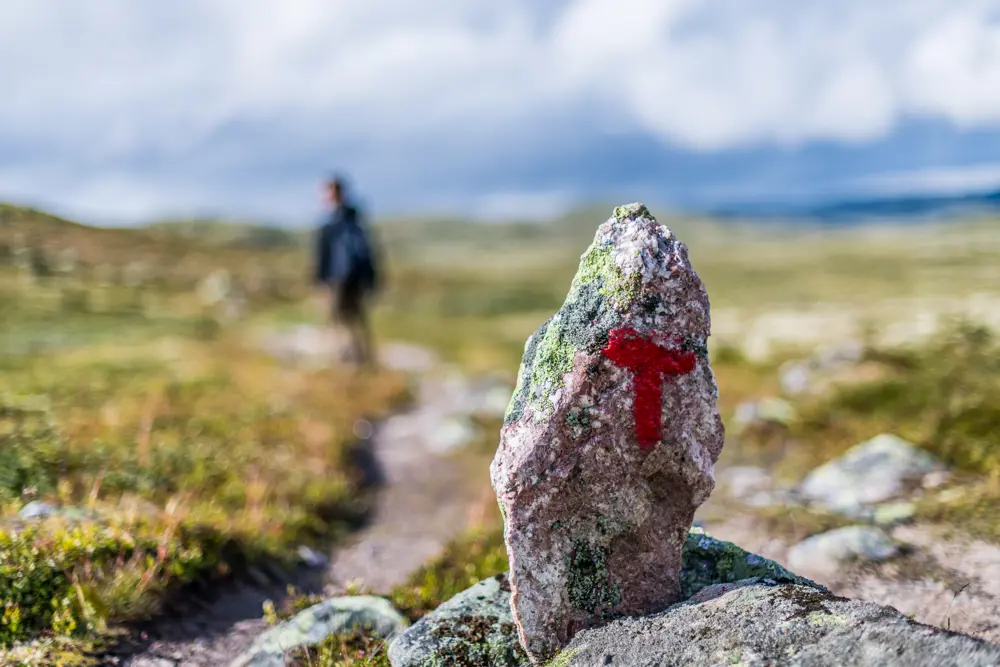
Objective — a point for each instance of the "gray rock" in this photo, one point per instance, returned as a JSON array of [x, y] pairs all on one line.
[[312, 626], [804, 375], [835, 357], [711, 562], [774, 410], [37, 509], [828, 552], [938, 478], [742, 482], [475, 627], [795, 377], [611, 436], [451, 433], [869, 473], [754, 624], [152, 662]]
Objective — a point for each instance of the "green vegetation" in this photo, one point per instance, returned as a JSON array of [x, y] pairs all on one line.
[[161, 445], [132, 398], [166, 475], [466, 562], [943, 394]]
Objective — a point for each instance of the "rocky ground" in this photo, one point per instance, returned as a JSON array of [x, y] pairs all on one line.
[[879, 553], [427, 495], [948, 583]]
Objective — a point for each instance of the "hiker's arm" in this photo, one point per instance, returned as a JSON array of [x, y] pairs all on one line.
[[375, 250]]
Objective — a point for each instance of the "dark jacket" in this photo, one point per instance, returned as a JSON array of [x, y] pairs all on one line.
[[336, 261]]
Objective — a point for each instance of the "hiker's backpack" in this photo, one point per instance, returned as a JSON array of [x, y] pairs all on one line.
[[353, 259]]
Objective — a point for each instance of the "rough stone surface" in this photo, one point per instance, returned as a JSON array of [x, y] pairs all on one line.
[[755, 624], [154, 662], [318, 622], [829, 551], [869, 473], [610, 438], [473, 628], [476, 627]]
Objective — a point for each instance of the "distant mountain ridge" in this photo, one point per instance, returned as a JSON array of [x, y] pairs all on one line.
[[848, 210]]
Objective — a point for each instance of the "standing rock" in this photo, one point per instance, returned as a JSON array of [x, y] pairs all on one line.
[[609, 441]]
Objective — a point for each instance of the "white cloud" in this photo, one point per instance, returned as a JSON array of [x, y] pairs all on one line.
[[108, 85]]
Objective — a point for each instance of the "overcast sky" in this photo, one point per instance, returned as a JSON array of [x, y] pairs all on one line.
[[115, 110]]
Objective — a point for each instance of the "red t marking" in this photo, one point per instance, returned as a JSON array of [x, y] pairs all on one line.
[[627, 348]]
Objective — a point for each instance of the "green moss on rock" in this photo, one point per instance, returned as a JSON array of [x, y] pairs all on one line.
[[631, 212], [708, 561], [563, 659]]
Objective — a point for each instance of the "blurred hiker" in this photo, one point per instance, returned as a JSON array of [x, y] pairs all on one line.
[[346, 266]]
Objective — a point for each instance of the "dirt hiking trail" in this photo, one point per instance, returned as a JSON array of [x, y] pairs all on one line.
[[426, 495]]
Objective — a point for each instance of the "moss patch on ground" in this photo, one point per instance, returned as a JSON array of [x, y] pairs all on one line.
[[943, 395]]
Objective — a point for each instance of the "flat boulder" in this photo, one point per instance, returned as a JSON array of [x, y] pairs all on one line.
[[476, 628], [610, 439], [759, 624]]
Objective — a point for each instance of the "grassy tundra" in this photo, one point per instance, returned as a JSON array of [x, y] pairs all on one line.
[[133, 396]]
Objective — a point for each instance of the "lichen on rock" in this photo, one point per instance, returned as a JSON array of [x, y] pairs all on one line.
[[708, 561], [772, 617], [473, 628]]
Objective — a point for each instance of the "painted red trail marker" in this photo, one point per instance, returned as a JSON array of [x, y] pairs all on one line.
[[627, 348]]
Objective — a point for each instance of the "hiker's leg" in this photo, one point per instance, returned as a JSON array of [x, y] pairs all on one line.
[[339, 323], [364, 335]]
